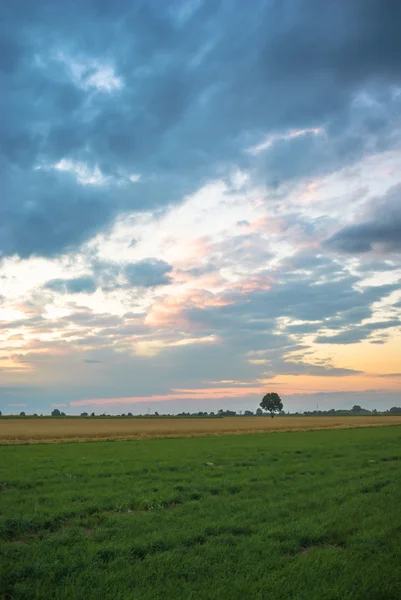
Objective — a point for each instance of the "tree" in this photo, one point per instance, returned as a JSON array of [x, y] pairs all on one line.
[[248, 413], [56, 413], [84, 414], [1, 414], [272, 402], [259, 412], [357, 408], [22, 414]]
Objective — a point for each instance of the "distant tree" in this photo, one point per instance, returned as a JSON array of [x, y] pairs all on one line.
[[84, 414], [1, 414], [259, 412], [56, 413], [22, 414], [249, 413], [272, 403], [357, 408], [92, 414], [129, 414], [395, 410], [62, 414], [211, 414], [156, 414]]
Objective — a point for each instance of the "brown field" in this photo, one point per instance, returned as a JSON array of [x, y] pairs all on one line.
[[22, 431]]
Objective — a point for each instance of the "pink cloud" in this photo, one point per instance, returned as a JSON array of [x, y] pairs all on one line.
[[281, 226], [266, 224], [195, 248], [169, 310], [253, 283], [177, 394]]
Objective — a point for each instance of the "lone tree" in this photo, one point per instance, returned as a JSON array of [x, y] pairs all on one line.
[[56, 413], [272, 402]]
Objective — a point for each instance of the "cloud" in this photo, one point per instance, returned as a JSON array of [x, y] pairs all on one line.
[[218, 393], [354, 335], [389, 375], [382, 232], [91, 73], [82, 172], [77, 285], [301, 297], [289, 367], [149, 272], [175, 98]]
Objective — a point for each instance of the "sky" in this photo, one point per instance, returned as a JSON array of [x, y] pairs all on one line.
[[200, 202]]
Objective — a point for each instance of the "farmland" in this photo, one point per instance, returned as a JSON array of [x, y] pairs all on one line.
[[23, 430], [308, 515]]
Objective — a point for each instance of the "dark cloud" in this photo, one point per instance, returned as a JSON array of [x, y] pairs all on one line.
[[303, 328], [194, 85], [251, 319], [149, 272], [288, 367], [376, 266], [382, 231], [389, 375], [305, 299], [92, 361], [199, 271], [77, 285], [354, 335]]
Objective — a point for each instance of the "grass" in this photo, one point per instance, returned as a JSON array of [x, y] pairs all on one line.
[[306, 516], [30, 430]]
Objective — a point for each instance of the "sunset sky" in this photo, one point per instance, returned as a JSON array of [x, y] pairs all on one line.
[[200, 202]]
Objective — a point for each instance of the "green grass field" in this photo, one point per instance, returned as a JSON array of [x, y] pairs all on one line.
[[307, 515]]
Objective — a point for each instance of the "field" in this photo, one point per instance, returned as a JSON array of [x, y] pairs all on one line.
[[304, 515], [22, 430]]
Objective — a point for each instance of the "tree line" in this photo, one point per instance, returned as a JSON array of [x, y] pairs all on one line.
[[270, 405]]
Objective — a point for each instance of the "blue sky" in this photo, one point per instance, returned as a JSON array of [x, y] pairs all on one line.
[[200, 202]]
